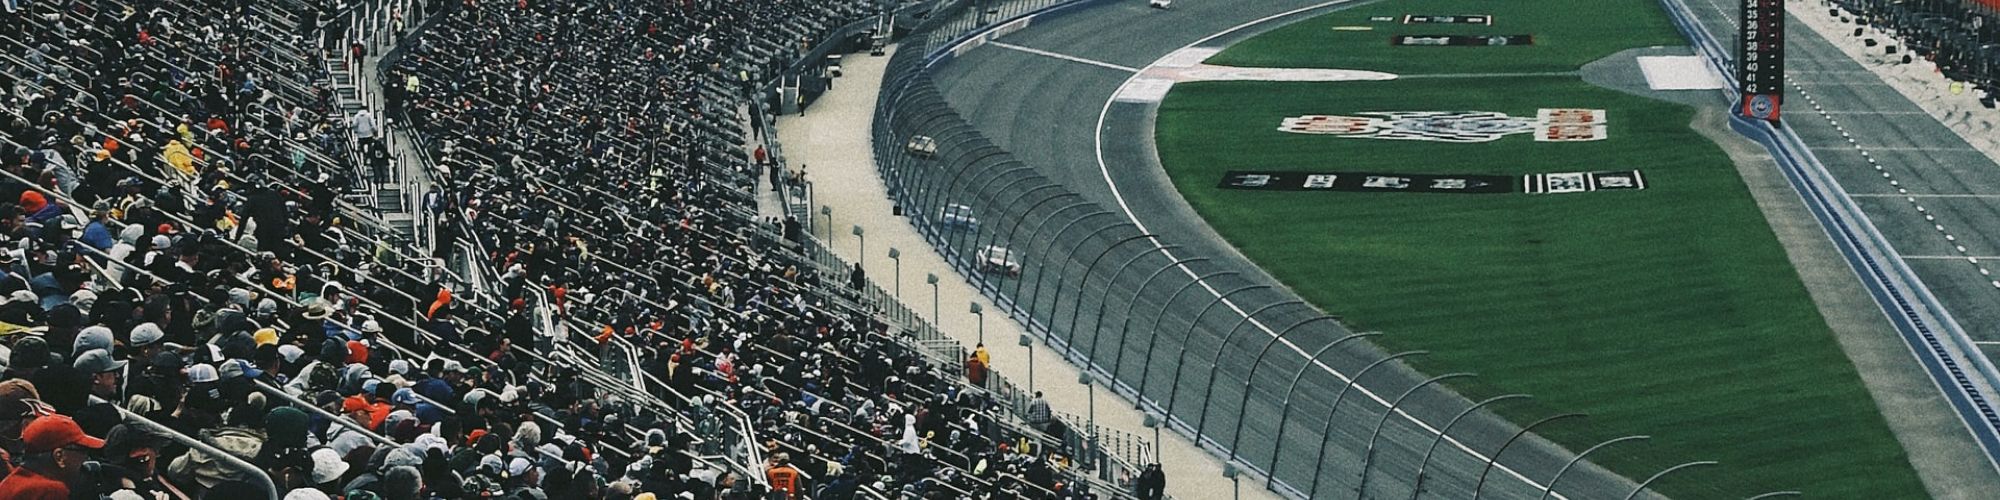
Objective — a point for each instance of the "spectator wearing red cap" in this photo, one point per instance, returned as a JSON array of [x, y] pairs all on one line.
[[55, 451]]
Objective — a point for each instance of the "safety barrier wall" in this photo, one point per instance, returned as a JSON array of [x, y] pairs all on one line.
[[1192, 342], [1923, 323]]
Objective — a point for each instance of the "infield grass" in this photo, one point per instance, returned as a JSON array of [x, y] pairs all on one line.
[[1671, 311]]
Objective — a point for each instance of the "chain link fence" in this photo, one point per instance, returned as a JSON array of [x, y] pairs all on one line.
[[1206, 343]]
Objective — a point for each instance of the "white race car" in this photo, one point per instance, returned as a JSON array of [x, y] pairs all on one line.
[[1159, 4]]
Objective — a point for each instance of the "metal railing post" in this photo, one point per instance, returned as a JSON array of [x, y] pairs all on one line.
[[1418, 487], [1076, 311], [1327, 433], [1495, 457], [1649, 481], [1145, 375], [1551, 488], [1368, 457], [1215, 365], [1173, 391], [1125, 325]]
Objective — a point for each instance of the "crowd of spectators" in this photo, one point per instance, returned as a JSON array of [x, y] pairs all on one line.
[[602, 171], [1963, 38], [189, 310]]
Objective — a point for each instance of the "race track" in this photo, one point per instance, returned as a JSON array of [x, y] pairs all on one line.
[[1039, 94]]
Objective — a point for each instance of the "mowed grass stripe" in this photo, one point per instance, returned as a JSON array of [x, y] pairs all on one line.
[[1670, 311]]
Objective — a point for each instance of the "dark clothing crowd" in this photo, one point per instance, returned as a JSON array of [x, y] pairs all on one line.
[[189, 309]]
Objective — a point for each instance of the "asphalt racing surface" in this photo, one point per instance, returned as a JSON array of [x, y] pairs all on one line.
[[1039, 94], [1957, 186]]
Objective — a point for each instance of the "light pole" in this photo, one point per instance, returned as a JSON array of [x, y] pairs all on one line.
[[1495, 457], [1146, 370], [1090, 387], [977, 311], [1154, 421], [861, 259], [1230, 471], [828, 212], [897, 256], [1579, 458], [1368, 457], [1670, 470], [1215, 365], [1174, 391], [1069, 344], [1418, 487], [1028, 344], [932, 280], [1125, 324]]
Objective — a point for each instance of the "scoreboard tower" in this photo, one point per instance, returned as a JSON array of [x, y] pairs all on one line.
[[1760, 58]]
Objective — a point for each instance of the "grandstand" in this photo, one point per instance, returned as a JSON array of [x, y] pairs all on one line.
[[547, 273], [407, 249]]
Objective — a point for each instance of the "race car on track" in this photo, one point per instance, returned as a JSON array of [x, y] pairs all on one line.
[[998, 259]]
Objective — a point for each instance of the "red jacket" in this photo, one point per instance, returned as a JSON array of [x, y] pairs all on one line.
[[25, 484]]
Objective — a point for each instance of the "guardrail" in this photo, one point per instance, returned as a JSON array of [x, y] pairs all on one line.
[[1923, 323], [1095, 287]]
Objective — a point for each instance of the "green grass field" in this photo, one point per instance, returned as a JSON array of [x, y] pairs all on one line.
[[1671, 311]]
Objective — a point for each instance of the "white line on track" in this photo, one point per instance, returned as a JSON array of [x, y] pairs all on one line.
[[1876, 113], [1103, 168], [1914, 195], [1951, 257], [1065, 57]]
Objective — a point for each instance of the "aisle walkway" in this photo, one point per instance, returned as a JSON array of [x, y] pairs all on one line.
[[831, 141]]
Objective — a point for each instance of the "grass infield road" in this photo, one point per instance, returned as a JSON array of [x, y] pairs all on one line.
[[1670, 311]]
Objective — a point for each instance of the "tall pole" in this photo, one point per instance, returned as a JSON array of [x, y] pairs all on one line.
[[1418, 488], [861, 259], [1041, 269], [1173, 391], [932, 279], [1097, 329], [1090, 386], [828, 212], [1670, 470], [1495, 457], [1069, 344], [1285, 410], [1028, 344], [1145, 373], [897, 256], [1368, 457], [976, 311], [1326, 433], [1551, 488], [1125, 325]]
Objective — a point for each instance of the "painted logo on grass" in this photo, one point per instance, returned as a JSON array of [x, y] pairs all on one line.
[[1548, 125]]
